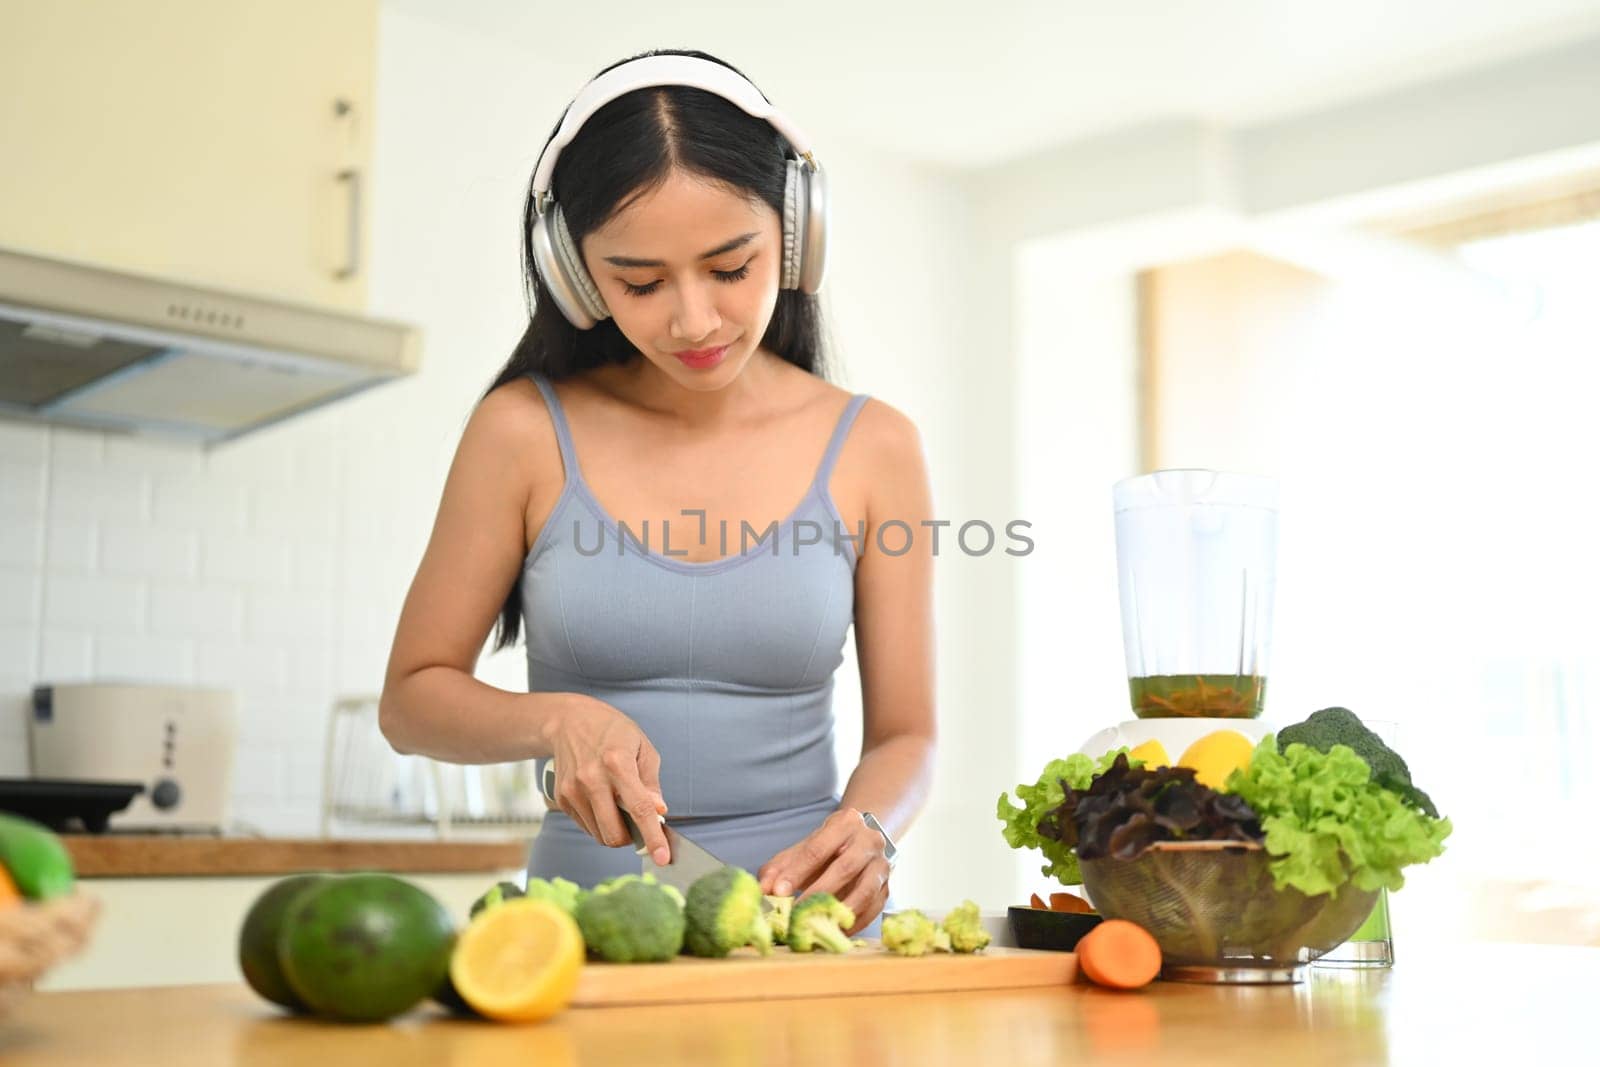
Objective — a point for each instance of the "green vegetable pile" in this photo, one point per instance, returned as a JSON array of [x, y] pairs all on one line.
[[635, 919], [1331, 803]]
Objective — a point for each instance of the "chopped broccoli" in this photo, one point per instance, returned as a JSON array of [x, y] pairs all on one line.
[[495, 895], [558, 891], [818, 923], [1339, 726], [723, 913], [636, 922], [911, 933], [965, 928], [778, 918]]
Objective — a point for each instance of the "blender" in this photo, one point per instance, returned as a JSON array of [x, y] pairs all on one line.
[[1196, 563]]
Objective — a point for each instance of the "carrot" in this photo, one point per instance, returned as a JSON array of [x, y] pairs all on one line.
[[1038, 903], [1120, 955], [10, 896], [1068, 902]]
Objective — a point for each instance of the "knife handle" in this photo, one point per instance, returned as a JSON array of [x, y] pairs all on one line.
[[547, 786]]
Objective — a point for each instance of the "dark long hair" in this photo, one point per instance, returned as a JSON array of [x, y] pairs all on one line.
[[631, 146]]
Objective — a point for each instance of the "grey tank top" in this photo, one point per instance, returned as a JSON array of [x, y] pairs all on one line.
[[727, 665]]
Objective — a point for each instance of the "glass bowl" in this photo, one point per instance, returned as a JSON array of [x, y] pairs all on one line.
[[1213, 909]]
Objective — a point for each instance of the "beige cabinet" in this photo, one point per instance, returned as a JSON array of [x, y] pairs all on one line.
[[226, 144]]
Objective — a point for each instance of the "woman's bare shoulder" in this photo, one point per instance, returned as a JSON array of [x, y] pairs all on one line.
[[884, 436], [513, 423]]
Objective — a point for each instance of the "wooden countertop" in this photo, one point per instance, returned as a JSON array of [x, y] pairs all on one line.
[[137, 856], [1470, 1004]]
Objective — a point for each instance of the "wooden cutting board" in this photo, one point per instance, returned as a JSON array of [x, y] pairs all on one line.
[[745, 975]]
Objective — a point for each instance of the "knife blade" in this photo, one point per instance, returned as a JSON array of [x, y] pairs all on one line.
[[688, 860]]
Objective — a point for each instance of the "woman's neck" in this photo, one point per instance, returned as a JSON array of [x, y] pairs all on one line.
[[641, 384]]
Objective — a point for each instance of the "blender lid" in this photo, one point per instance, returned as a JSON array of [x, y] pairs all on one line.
[[1185, 487]]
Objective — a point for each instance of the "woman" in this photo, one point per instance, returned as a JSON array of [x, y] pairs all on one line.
[[626, 492]]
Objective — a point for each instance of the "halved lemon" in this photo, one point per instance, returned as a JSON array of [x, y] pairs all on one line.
[[518, 961], [1217, 755], [1154, 754]]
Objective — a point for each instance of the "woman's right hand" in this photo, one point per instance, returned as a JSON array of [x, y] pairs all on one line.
[[604, 765]]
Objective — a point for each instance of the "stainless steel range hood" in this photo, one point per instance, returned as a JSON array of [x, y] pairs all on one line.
[[96, 348]]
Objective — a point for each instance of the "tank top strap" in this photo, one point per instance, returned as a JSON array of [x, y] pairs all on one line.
[[836, 442], [569, 454]]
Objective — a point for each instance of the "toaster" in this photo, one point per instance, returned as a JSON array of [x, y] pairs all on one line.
[[176, 741]]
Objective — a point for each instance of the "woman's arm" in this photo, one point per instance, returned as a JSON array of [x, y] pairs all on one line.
[[895, 634], [894, 647], [432, 704]]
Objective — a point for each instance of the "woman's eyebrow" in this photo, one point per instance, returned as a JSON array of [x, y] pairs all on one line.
[[726, 246]]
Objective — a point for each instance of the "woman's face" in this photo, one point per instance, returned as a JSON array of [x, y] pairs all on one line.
[[690, 267]]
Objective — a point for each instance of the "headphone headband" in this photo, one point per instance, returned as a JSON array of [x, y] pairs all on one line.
[[660, 70]]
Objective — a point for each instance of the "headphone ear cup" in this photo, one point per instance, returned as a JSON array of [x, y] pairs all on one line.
[[805, 227], [794, 205], [814, 257], [572, 267], [556, 258]]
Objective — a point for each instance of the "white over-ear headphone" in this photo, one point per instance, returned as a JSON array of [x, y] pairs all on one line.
[[805, 195]]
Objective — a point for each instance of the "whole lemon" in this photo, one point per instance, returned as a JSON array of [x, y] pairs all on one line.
[[1217, 755]]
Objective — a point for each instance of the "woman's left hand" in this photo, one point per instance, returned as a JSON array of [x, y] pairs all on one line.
[[844, 856]]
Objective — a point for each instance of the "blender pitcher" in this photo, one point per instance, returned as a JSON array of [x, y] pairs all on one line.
[[1196, 555]]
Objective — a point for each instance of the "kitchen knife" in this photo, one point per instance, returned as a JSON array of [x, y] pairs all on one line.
[[689, 861]]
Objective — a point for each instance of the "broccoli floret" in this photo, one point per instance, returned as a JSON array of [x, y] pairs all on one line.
[[633, 923], [818, 924], [610, 885], [911, 933], [1339, 726], [558, 891], [495, 895], [723, 913], [965, 928], [778, 918]]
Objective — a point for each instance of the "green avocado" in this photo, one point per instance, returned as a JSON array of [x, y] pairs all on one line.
[[258, 939], [365, 947]]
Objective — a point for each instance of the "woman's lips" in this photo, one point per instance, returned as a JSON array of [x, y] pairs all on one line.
[[702, 357]]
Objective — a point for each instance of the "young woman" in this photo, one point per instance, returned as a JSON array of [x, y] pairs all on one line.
[[664, 492]]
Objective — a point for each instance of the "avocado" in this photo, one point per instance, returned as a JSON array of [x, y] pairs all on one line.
[[365, 947], [258, 939]]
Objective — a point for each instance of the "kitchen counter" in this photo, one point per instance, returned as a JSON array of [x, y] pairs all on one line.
[[137, 856], [1467, 1004], [173, 904]]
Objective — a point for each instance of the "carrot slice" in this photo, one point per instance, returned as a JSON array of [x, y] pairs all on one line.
[[1068, 902], [1038, 903], [1120, 955]]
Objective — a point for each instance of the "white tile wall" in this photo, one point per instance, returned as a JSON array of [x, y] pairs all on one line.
[[123, 559]]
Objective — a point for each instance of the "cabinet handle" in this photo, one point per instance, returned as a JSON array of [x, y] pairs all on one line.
[[352, 264]]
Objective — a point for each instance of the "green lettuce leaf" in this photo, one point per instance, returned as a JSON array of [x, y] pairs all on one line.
[[1021, 823], [1328, 823]]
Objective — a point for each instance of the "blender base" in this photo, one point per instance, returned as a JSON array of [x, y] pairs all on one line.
[[1225, 975]]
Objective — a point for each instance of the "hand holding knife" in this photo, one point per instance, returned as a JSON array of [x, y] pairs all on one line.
[[686, 861]]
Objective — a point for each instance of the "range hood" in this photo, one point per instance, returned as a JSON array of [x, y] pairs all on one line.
[[99, 349]]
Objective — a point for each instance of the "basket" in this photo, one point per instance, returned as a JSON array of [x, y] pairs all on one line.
[[1214, 910], [35, 936]]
